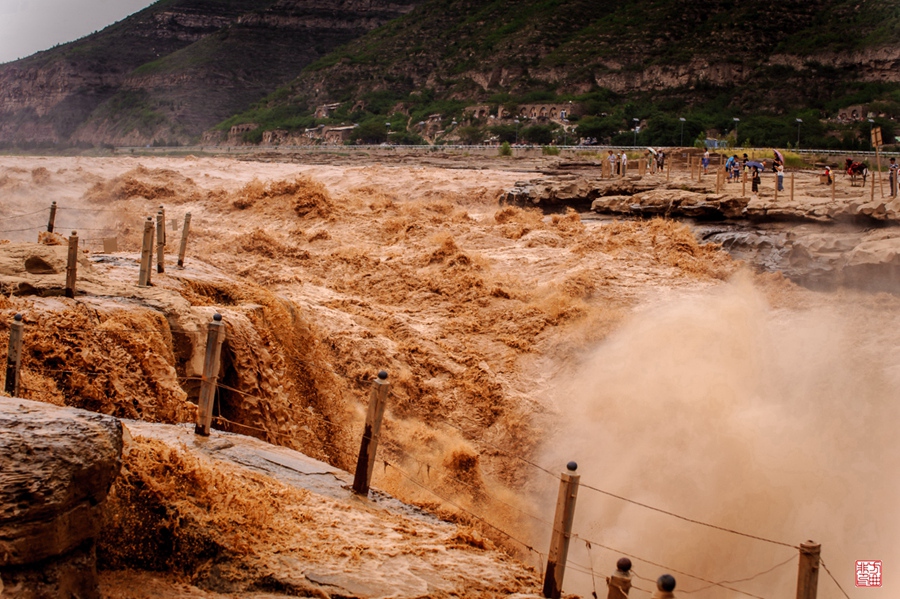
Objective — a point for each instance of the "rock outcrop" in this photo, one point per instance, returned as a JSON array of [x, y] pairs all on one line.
[[572, 190], [39, 269], [652, 196], [56, 468], [673, 202]]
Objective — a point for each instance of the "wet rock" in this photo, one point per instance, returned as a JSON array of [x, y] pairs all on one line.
[[823, 209], [672, 202], [31, 268], [56, 467], [874, 264], [571, 190], [816, 255]]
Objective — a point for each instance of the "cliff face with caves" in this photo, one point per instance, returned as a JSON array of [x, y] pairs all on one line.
[[763, 56]]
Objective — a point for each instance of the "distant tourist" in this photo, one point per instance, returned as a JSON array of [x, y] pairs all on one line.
[[736, 169], [612, 160], [829, 177], [705, 162], [893, 169], [779, 172], [754, 173], [624, 161], [729, 164], [660, 160]]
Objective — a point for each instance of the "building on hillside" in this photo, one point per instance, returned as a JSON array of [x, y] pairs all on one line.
[[852, 114], [337, 135], [275, 137], [236, 133], [537, 112], [550, 112], [324, 110]]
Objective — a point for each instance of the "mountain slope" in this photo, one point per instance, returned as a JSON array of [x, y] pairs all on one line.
[[45, 97], [720, 57], [175, 68]]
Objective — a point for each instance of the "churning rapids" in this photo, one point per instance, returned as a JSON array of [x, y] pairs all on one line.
[[675, 375]]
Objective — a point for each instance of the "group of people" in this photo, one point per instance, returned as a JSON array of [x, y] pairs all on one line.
[[618, 162], [734, 166]]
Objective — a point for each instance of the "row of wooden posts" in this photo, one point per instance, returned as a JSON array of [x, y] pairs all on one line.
[[619, 583], [146, 248]]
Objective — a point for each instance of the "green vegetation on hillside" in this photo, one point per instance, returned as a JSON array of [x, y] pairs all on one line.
[[652, 60]]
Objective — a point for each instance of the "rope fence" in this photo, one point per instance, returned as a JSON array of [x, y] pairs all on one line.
[[560, 528]]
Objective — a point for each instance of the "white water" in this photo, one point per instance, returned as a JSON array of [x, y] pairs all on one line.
[[777, 422]]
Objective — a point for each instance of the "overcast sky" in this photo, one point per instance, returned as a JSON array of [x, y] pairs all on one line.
[[28, 26]]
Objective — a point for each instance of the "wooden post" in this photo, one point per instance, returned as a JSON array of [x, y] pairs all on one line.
[[833, 187], [776, 187], [52, 221], [165, 238], [72, 265], [620, 582], [365, 463], [184, 236], [146, 253], [808, 574], [214, 338], [604, 169], [744, 184], [562, 532], [872, 194], [792, 187], [718, 180], [14, 356], [878, 161], [160, 242], [668, 169]]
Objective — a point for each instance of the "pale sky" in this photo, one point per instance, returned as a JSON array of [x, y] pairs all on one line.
[[28, 26]]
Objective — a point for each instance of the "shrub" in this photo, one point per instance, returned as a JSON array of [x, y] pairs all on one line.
[[505, 149]]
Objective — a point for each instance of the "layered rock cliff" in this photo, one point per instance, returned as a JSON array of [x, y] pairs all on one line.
[[748, 58], [45, 97], [175, 68]]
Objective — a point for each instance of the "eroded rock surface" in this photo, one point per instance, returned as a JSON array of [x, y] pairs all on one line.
[[680, 196], [56, 468]]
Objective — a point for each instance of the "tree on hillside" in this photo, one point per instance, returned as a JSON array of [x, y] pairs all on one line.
[[371, 131]]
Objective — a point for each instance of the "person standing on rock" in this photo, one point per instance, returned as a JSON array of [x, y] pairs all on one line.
[[736, 169], [705, 162], [893, 171], [755, 179], [624, 161], [779, 172], [612, 164]]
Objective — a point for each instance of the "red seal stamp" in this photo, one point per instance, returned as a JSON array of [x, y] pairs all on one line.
[[868, 573]]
